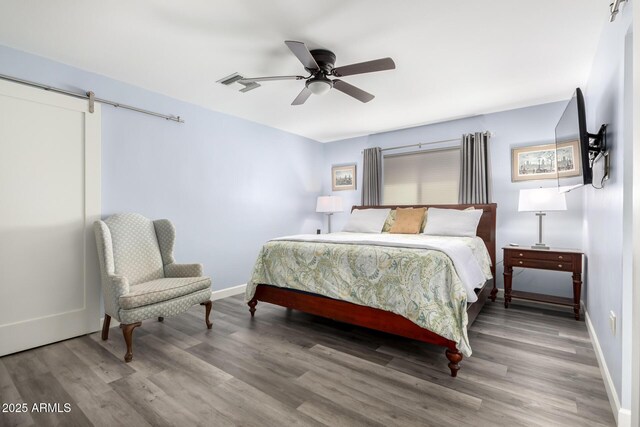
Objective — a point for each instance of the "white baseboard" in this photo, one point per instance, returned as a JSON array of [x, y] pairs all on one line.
[[215, 295], [228, 292], [624, 418], [622, 415]]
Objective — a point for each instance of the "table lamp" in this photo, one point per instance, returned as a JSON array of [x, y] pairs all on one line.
[[329, 205], [541, 200]]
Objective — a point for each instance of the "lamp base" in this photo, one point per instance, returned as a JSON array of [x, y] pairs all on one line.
[[540, 246]]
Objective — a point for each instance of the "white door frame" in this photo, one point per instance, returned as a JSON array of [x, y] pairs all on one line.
[[635, 313]]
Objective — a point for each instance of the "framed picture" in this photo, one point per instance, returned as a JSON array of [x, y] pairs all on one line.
[[539, 161], [343, 177]]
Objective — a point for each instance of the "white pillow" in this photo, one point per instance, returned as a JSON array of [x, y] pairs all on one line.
[[452, 222], [366, 220]]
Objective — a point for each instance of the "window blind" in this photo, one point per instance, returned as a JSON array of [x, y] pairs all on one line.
[[427, 177]]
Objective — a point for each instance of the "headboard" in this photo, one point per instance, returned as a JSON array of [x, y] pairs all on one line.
[[486, 226]]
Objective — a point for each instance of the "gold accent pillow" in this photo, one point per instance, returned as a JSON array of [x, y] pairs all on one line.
[[408, 221]]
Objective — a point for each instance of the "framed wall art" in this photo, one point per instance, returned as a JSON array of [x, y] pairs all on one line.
[[539, 161], [343, 177]]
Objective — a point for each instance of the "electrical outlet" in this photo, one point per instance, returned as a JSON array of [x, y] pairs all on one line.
[[612, 322]]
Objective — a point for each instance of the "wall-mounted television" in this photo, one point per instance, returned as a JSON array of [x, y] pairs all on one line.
[[576, 148]]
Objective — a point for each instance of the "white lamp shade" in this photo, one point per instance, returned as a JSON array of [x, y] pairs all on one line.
[[542, 200], [329, 204]]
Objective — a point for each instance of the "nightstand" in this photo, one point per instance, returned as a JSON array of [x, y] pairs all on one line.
[[568, 260]]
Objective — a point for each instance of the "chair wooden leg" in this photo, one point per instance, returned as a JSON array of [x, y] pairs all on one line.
[[127, 331], [160, 319], [105, 327], [207, 306]]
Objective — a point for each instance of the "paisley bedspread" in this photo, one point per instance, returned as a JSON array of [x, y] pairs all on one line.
[[419, 284]]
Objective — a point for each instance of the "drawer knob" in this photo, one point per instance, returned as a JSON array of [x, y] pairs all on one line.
[[519, 262], [520, 254], [560, 265], [560, 257]]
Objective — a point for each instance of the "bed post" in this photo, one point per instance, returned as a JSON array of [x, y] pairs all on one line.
[[454, 357], [494, 289], [252, 306]]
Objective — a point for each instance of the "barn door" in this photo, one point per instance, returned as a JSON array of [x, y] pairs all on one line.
[[49, 198]]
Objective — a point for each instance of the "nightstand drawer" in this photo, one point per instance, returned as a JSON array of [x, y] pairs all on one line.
[[547, 256], [543, 264]]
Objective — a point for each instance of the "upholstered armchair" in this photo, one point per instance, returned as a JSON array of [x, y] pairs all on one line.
[[140, 279]]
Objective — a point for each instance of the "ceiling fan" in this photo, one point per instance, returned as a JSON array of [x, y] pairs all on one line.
[[319, 63]]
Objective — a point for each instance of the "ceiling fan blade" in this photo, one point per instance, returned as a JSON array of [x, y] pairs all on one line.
[[300, 50], [365, 67], [270, 78], [353, 91], [302, 97]]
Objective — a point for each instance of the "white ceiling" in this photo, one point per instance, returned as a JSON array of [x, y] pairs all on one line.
[[454, 58]]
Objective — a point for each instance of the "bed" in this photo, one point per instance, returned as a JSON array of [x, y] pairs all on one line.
[[440, 316]]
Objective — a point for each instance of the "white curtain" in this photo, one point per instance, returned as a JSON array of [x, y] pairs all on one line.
[[475, 175]]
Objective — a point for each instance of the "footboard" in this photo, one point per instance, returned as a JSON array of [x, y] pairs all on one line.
[[368, 317]]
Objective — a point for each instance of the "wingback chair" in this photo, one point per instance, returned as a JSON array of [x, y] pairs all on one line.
[[140, 278]]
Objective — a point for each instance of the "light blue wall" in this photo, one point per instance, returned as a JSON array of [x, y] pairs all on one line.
[[228, 184], [514, 128], [607, 213]]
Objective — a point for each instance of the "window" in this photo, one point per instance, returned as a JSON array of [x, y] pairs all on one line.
[[427, 177]]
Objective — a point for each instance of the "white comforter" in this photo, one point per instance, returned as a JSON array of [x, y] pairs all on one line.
[[467, 263]]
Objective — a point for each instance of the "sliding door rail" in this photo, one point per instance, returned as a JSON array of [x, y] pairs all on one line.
[[91, 98]]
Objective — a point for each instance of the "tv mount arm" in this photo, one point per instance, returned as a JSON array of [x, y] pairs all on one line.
[[597, 150], [597, 144]]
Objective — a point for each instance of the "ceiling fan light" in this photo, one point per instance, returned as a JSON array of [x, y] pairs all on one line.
[[319, 86]]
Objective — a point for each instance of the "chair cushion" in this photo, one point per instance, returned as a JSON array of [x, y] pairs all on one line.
[[160, 290], [173, 307]]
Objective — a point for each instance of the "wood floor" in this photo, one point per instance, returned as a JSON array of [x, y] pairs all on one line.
[[531, 367]]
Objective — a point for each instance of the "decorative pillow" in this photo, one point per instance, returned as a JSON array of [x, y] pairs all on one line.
[[391, 218], [366, 220], [408, 221], [424, 223], [452, 222]]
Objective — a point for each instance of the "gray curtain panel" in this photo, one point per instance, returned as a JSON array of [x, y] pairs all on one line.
[[372, 177], [475, 179]]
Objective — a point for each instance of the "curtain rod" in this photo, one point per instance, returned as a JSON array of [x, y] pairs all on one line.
[[90, 96], [420, 144]]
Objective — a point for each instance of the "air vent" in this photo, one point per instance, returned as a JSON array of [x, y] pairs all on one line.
[[230, 79]]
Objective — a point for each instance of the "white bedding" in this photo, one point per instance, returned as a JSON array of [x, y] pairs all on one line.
[[468, 254]]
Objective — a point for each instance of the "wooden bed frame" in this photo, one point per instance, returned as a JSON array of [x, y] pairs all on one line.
[[382, 320]]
